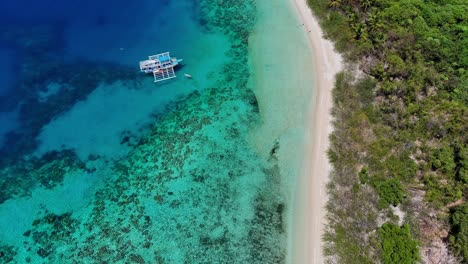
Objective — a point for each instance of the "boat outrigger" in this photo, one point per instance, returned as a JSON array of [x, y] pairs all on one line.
[[161, 65]]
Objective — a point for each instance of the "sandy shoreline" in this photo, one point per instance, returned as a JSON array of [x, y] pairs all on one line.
[[310, 200]]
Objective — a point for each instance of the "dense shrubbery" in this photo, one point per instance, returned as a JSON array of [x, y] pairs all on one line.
[[390, 192], [397, 244], [459, 233], [402, 128]]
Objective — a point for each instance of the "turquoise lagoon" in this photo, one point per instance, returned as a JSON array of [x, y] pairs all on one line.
[[101, 165]]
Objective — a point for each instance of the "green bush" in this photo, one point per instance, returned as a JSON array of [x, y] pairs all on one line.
[[397, 244], [461, 159], [364, 176], [390, 192], [459, 233], [442, 193], [443, 160], [401, 167]]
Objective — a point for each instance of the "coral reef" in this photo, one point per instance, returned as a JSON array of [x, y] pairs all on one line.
[[193, 190], [50, 232], [7, 254], [48, 171]]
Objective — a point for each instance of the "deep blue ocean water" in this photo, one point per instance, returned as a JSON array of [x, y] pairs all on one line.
[[53, 41], [98, 164]]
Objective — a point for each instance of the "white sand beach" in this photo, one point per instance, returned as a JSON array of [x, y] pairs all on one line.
[[295, 110], [311, 186]]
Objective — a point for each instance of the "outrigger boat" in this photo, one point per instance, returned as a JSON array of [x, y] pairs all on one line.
[[161, 65]]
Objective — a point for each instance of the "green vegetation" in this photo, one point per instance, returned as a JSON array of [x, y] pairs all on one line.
[[459, 233], [397, 245], [400, 129], [364, 176], [390, 192]]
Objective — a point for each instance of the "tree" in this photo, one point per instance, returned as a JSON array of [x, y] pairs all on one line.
[[365, 4], [374, 23], [461, 160], [443, 159], [390, 192], [396, 64], [397, 244], [335, 3], [459, 233]]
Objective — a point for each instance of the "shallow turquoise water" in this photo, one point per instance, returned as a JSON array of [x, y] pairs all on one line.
[[101, 165], [98, 164]]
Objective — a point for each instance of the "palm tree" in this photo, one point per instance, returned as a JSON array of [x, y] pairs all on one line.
[[374, 23], [365, 4], [358, 29], [335, 3]]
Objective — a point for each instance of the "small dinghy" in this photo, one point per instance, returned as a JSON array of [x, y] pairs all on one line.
[[188, 75]]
